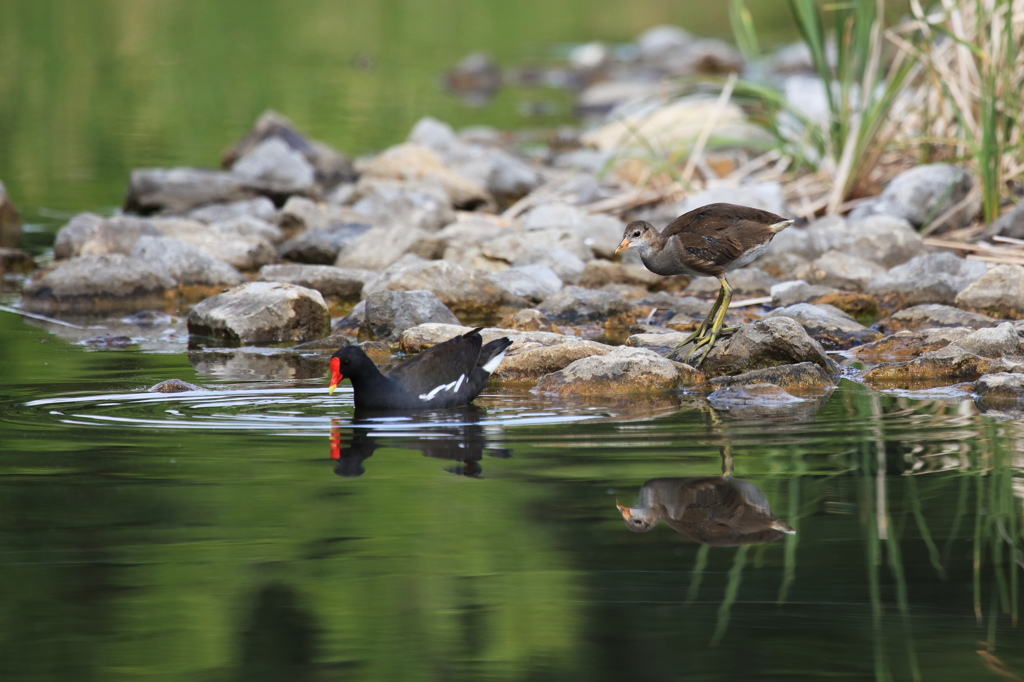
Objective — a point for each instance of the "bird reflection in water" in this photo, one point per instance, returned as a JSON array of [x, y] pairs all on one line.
[[720, 511], [455, 435]]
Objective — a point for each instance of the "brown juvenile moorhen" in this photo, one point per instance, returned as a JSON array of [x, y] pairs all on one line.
[[450, 374], [720, 511], [708, 241]]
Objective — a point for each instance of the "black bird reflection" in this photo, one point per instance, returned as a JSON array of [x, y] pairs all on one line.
[[454, 435], [720, 511]]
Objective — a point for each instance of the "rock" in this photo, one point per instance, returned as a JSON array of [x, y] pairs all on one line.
[[244, 253], [784, 265], [389, 313], [10, 223], [174, 386], [841, 270], [997, 293], [301, 213], [930, 315], [675, 52], [530, 320], [803, 379], [923, 194], [744, 282], [321, 246], [662, 343], [89, 234], [98, 284], [260, 207], [829, 326], [476, 78], [196, 273], [423, 205], [414, 162], [563, 263], [511, 245], [620, 371], [910, 344], [601, 233], [766, 343], [419, 338], [15, 262], [861, 307], [336, 284], [331, 167], [796, 291], [381, 247], [949, 365], [601, 97], [530, 364], [532, 282], [992, 342], [328, 344], [767, 196], [885, 240], [754, 400], [464, 291], [178, 190], [930, 278], [1010, 224], [275, 167], [248, 227], [1001, 385], [575, 305], [108, 342], [260, 313], [598, 272]]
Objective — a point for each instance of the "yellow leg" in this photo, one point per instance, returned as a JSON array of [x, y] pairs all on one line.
[[712, 323]]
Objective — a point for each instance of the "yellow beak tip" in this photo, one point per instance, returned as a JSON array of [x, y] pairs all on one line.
[[330, 389]]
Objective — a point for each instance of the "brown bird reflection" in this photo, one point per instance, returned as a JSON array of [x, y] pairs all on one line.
[[721, 511]]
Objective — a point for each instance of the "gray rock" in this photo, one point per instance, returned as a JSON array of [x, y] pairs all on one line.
[[998, 293], [422, 205], [528, 319], [260, 207], [532, 282], [380, 247], [331, 166], [767, 196], [563, 263], [339, 284], [464, 291], [620, 371], [248, 226], [416, 162], [89, 234], [804, 379], [1001, 385], [796, 291], [930, 278], [186, 264], [244, 253], [886, 240], [748, 281], [766, 343], [923, 194], [174, 386], [274, 166], [1010, 224], [783, 264], [930, 315], [101, 283], [10, 223], [992, 342], [574, 305], [179, 190], [511, 245], [828, 325], [259, 313], [301, 213], [321, 246], [602, 233], [662, 343], [528, 363], [842, 270], [419, 338], [600, 272], [389, 313], [910, 344], [328, 344], [943, 367]]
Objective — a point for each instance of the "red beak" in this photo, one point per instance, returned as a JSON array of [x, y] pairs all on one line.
[[336, 375]]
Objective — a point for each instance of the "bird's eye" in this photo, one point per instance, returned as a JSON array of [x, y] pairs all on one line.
[[637, 233]]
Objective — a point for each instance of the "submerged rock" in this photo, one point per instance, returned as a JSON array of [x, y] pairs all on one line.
[[260, 313], [98, 284], [174, 386], [949, 365], [804, 379], [620, 371], [389, 313]]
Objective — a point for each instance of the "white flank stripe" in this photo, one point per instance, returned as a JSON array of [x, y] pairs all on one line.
[[494, 362], [443, 387]]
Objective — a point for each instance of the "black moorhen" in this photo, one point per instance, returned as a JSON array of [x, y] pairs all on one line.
[[450, 374], [708, 241]]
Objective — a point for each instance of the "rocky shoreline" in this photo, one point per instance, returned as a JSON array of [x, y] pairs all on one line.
[[293, 244]]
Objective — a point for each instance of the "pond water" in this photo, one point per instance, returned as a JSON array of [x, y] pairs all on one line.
[[263, 530]]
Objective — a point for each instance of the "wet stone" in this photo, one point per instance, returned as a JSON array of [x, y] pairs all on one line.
[[992, 342], [830, 326], [766, 343], [98, 284], [931, 315], [174, 386], [803, 379], [260, 313], [1001, 385], [328, 344], [621, 371], [944, 367], [908, 344]]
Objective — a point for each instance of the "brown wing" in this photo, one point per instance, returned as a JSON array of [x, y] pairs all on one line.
[[441, 364], [718, 234]]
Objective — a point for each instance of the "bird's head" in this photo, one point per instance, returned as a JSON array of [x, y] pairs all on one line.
[[638, 236], [636, 518], [348, 363]]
